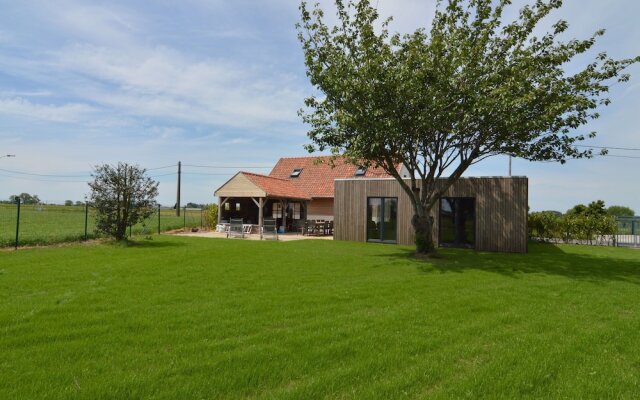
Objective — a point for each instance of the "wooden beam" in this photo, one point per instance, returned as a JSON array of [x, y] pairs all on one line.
[[284, 217], [255, 201], [260, 215]]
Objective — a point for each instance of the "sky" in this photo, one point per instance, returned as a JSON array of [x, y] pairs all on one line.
[[218, 83]]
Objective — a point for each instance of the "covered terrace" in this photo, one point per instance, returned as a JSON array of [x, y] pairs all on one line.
[[253, 197]]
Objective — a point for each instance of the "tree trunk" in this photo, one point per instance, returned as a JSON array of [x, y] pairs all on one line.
[[423, 226]]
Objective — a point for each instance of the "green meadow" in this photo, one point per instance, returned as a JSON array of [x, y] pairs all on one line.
[[195, 318], [49, 224]]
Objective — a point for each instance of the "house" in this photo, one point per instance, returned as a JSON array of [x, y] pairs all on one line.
[[486, 213], [297, 188]]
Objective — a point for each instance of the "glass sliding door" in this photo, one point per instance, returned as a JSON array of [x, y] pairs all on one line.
[[374, 218], [457, 222], [390, 220], [382, 219]]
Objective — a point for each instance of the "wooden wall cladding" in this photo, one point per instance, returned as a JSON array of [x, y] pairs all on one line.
[[501, 210]]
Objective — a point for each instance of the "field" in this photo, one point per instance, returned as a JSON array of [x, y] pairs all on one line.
[[48, 224], [178, 318]]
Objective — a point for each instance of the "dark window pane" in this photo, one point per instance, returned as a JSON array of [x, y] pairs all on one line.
[[382, 219], [457, 222], [390, 219], [374, 218]]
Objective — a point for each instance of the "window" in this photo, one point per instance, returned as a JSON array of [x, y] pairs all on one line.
[[382, 219], [296, 172], [276, 210], [237, 206], [227, 206], [457, 222], [360, 171], [295, 209]]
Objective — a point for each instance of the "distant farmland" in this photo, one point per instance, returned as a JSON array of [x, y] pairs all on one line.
[[49, 224]]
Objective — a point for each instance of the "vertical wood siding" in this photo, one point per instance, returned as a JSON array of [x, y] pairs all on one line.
[[501, 210]]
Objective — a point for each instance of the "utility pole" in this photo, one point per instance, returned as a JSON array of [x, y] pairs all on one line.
[[509, 164], [178, 192]]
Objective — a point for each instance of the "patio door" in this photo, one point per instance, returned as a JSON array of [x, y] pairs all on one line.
[[382, 219], [457, 222]]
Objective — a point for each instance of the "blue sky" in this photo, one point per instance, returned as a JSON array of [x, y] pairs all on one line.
[[219, 83]]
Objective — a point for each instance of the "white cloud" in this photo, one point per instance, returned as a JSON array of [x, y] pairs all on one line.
[[64, 113], [162, 82], [94, 23]]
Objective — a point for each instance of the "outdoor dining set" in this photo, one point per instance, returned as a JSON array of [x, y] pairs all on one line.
[[303, 227]]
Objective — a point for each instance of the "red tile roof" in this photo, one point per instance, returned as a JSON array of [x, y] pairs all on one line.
[[275, 187], [317, 176]]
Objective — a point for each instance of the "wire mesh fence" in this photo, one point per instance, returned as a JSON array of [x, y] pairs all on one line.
[[41, 224], [628, 234]]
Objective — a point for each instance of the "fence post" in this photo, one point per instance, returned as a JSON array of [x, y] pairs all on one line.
[[201, 224], [86, 219], [18, 223], [185, 219], [158, 219]]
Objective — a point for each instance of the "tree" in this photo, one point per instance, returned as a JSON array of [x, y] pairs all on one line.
[[25, 198], [595, 208], [122, 196], [578, 209], [68, 202], [620, 211], [440, 101], [79, 203], [545, 225]]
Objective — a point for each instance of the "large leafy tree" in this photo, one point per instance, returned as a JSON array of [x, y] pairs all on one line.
[[122, 196], [25, 198], [439, 101], [620, 211]]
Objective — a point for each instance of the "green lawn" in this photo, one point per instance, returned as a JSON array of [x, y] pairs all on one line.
[[49, 224], [190, 318]]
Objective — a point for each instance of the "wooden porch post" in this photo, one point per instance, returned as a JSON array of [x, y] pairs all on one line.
[[219, 209], [260, 215], [284, 217]]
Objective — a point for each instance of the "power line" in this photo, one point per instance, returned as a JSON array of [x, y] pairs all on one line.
[[203, 173], [164, 167], [618, 156], [226, 166], [607, 147], [46, 175], [40, 180]]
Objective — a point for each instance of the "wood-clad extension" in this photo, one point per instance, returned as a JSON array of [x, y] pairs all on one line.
[[501, 210]]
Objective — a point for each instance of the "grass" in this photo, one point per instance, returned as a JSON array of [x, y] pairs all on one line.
[[178, 318], [49, 224]]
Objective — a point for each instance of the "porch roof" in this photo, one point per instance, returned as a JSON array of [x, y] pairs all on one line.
[[248, 184]]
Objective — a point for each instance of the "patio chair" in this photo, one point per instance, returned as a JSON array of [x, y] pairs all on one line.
[[269, 229], [299, 226], [308, 227], [235, 228]]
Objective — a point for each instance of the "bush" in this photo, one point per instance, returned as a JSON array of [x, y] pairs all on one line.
[[548, 226], [211, 215], [545, 225]]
